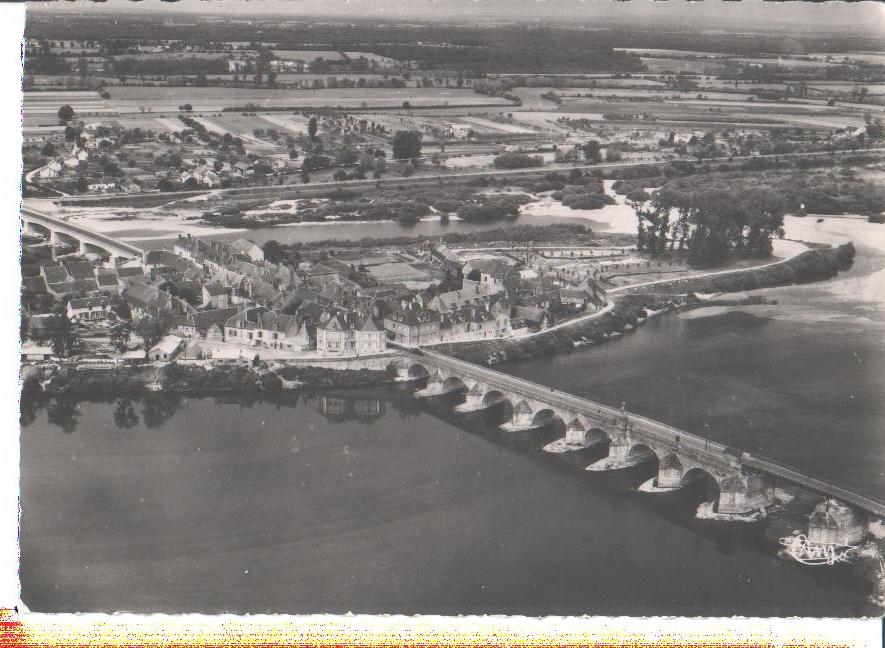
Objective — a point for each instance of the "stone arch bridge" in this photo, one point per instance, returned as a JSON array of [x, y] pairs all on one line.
[[745, 482]]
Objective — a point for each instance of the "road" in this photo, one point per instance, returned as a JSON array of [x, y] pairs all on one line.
[[418, 181]]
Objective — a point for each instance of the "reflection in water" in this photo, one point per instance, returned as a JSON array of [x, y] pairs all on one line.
[[157, 408], [64, 411], [124, 414], [338, 409]]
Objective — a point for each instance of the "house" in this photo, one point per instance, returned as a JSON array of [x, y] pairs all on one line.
[[101, 187], [535, 319], [89, 309], [237, 356], [441, 256], [128, 186], [413, 325], [260, 327], [166, 349], [71, 162], [205, 325], [343, 334], [478, 295], [250, 249], [49, 171], [34, 352], [216, 295], [107, 281]]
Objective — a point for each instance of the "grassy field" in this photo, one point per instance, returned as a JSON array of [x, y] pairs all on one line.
[[129, 99]]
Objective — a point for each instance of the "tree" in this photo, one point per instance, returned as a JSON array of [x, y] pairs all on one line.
[[71, 133], [65, 113], [612, 154], [339, 175], [312, 128], [305, 175], [875, 129], [121, 333], [592, 152], [58, 331], [82, 184], [151, 330], [406, 144], [48, 150]]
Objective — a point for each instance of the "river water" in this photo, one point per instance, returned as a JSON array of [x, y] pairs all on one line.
[[381, 503]]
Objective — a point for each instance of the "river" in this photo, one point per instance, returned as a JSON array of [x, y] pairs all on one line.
[[386, 504], [378, 504]]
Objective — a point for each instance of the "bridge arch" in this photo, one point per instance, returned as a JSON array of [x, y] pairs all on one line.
[[453, 383], [544, 416], [640, 452], [705, 485], [493, 397], [417, 371]]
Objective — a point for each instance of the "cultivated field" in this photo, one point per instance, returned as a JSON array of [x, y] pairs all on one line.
[[132, 99]]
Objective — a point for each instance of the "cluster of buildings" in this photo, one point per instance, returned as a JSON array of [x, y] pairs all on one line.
[[229, 296]]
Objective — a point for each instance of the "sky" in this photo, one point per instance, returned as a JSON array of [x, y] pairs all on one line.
[[748, 14]]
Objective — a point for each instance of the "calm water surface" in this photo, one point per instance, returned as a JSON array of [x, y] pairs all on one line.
[[387, 506]]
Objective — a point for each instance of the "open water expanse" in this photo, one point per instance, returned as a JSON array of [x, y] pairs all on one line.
[[381, 503]]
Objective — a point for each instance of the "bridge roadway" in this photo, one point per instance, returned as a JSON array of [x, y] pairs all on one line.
[[84, 234], [644, 426]]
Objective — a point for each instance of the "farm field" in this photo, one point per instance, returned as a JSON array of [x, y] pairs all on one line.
[[701, 66], [669, 53], [127, 99], [295, 124], [307, 55], [41, 108], [488, 124]]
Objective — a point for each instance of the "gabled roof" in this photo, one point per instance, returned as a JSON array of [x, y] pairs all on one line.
[[133, 271], [54, 274], [369, 326], [88, 303], [80, 269], [203, 320], [34, 284], [414, 315], [73, 286], [214, 289], [106, 279], [529, 313]]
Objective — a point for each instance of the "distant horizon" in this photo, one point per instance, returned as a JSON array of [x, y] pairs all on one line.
[[733, 17]]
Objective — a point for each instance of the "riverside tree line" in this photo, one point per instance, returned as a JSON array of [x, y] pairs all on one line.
[[713, 225]]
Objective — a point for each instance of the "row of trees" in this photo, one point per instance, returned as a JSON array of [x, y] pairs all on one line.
[[712, 224]]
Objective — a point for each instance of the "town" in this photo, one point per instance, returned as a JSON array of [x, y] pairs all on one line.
[[218, 302]]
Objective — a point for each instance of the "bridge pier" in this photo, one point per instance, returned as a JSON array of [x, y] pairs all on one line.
[[743, 494], [475, 400], [522, 419], [836, 523], [578, 436]]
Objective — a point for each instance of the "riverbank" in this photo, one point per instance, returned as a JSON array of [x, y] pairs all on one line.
[[181, 379], [633, 306]]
